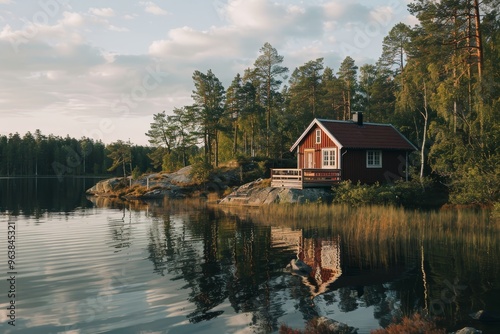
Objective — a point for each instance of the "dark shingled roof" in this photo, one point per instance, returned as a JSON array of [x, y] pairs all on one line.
[[349, 134], [369, 135]]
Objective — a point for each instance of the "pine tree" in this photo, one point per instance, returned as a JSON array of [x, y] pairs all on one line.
[[269, 71], [121, 155], [208, 111], [347, 75]]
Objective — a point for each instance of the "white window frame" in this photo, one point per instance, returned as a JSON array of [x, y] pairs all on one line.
[[335, 158], [318, 136], [373, 164]]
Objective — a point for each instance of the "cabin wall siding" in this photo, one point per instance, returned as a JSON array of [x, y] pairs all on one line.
[[354, 167], [309, 142]]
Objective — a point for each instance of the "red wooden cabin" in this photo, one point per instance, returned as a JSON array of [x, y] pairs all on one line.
[[330, 151]]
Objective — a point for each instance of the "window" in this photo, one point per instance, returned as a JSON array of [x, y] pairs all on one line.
[[329, 158], [373, 159], [318, 136]]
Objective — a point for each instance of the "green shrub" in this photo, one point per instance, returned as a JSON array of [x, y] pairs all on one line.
[[201, 170], [408, 194], [136, 172], [476, 187], [355, 195]]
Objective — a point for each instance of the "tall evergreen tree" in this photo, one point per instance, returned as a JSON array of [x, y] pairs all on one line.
[[253, 117], [234, 108], [305, 89], [331, 104], [395, 47], [347, 75], [121, 154], [270, 72], [208, 111]]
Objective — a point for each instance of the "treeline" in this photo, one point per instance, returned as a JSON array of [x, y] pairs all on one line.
[[438, 82], [37, 154]]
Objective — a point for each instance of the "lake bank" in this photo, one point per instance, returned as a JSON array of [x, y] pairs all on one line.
[[227, 189]]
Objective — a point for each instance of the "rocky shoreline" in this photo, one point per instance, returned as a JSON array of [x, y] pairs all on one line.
[[225, 187], [257, 193], [174, 185]]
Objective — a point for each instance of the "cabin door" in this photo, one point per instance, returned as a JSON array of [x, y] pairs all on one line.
[[309, 159]]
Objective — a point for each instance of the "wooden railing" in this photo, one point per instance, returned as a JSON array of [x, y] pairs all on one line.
[[304, 178], [286, 178]]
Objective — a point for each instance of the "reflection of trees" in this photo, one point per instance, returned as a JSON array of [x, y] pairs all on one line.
[[36, 196], [224, 258], [221, 258], [348, 300], [208, 282], [121, 230], [256, 273], [157, 246]]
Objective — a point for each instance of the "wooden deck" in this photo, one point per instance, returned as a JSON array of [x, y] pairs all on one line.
[[304, 178]]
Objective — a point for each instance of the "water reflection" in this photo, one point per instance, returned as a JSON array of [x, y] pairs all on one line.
[[36, 196], [223, 258], [220, 258], [163, 265], [317, 260]]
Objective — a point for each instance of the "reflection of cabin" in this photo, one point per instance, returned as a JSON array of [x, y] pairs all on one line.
[[330, 151], [318, 259], [323, 257]]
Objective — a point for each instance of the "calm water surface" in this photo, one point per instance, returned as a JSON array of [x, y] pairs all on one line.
[[95, 266]]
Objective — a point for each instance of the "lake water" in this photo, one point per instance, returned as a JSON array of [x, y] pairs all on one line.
[[99, 266]]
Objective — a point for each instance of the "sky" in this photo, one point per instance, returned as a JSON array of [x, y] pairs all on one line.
[[101, 69]]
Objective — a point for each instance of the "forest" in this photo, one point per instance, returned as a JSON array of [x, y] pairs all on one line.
[[40, 155], [437, 82]]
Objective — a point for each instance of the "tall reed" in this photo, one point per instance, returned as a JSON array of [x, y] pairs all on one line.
[[392, 231], [381, 223]]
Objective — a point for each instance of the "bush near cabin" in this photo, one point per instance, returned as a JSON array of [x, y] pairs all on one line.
[[408, 194]]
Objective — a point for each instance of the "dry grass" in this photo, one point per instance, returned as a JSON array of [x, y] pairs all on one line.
[[381, 223], [317, 326], [138, 190], [389, 230], [416, 324], [265, 183]]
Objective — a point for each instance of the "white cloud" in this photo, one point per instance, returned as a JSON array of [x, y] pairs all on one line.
[[346, 12], [5, 2], [106, 12], [152, 8], [117, 29], [189, 43], [64, 31], [257, 14], [72, 19]]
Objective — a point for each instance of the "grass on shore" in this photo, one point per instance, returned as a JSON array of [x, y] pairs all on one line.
[[389, 230], [380, 223]]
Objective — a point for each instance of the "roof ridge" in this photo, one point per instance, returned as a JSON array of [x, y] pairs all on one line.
[[351, 122]]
